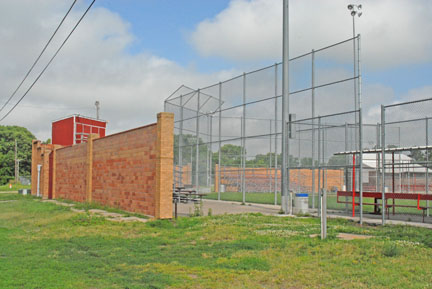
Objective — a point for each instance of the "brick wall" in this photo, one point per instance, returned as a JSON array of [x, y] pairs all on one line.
[[124, 170], [70, 172], [131, 170], [262, 179]]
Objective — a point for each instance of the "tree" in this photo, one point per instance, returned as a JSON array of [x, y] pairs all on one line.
[[230, 155], [8, 135], [337, 160]]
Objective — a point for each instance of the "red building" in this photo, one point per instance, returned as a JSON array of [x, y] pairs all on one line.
[[75, 129]]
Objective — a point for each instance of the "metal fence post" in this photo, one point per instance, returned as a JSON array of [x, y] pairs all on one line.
[[360, 178], [243, 140], [285, 109], [180, 142], [346, 166], [211, 151], [319, 166], [208, 151], [383, 160], [378, 158], [197, 144], [359, 97], [276, 134], [427, 165], [270, 159], [220, 141], [322, 194], [313, 129]]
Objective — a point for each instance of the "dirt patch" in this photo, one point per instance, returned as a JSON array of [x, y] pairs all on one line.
[[58, 203], [349, 237], [110, 216]]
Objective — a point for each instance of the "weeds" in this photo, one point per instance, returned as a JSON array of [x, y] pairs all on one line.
[[391, 250]]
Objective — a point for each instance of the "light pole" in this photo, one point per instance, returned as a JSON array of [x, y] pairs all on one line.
[[355, 11]]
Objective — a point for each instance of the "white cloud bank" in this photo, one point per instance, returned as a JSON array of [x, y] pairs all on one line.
[[92, 66], [394, 32]]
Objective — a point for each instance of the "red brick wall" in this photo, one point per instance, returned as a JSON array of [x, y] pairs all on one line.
[[70, 170], [262, 179], [131, 170], [124, 170]]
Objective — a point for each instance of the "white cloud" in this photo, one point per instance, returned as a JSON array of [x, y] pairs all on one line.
[[92, 66], [394, 32]]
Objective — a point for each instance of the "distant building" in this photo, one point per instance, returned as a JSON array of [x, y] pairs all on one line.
[[406, 175], [75, 129]]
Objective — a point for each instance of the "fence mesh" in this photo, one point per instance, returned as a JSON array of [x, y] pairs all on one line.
[[228, 140], [228, 135], [405, 171]]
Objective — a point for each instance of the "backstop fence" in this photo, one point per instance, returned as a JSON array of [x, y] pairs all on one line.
[[406, 162], [228, 135], [228, 139]]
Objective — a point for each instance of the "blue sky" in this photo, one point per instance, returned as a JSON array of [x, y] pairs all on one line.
[[163, 28], [139, 51]]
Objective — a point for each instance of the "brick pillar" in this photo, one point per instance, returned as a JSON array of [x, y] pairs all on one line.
[[44, 180], [54, 166], [35, 160], [164, 165], [89, 167]]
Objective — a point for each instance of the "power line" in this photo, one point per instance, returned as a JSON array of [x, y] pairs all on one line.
[[40, 55], [52, 58]]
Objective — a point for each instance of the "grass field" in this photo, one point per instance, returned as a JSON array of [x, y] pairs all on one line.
[[43, 245], [15, 187], [268, 198]]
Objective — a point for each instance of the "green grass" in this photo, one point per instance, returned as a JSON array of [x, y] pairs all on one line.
[[332, 204], [43, 245], [15, 187], [258, 198]]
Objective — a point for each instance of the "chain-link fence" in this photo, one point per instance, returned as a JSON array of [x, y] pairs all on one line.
[[228, 135], [319, 165], [228, 139], [406, 169]]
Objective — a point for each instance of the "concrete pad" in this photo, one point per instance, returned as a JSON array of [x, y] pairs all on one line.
[[128, 219], [226, 207]]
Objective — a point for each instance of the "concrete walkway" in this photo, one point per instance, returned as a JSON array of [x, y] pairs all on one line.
[[225, 207], [230, 207]]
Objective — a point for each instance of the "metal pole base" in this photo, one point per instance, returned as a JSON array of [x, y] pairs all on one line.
[[285, 201]]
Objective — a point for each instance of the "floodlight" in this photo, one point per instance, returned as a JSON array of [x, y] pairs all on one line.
[[353, 13], [359, 7], [360, 14], [350, 7]]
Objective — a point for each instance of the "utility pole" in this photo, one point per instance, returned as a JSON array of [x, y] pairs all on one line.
[[16, 163], [97, 103]]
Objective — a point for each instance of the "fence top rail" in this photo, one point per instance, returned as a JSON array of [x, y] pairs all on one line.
[[408, 102], [266, 67], [397, 149], [324, 116]]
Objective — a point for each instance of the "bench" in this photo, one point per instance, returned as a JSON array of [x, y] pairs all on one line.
[[185, 195], [388, 196]]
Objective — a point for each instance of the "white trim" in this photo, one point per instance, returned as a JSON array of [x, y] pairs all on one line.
[[78, 115]]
